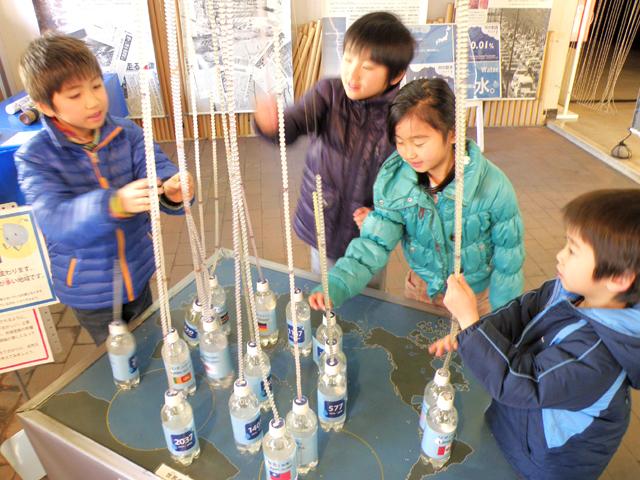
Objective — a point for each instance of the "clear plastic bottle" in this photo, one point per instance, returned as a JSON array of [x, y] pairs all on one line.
[[279, 450], [177, 363], [192, 319], [332, 396], [303, 318], [302, 423], [179, 428], [253, 373], [215, 355], [440, 383], [333, 347], [219, 304], [245, 418], [266, 313], [121, 347], [328, 329], [440, 430]]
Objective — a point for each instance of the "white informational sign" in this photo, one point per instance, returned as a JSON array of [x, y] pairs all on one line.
[[109, 28], [411, 12], [23, 342], [254, 67], [24, 275]]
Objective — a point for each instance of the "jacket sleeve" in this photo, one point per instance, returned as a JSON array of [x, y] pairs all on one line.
[[306, 116], [569, 375], [365, 255], [165, 168], [75, 220], [507, 277]]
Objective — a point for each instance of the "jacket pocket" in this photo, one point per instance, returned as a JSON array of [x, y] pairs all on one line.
[[71, 271]]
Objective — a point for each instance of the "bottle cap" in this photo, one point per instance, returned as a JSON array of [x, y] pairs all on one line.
[[173, 398], [331, 365], [263, 286], [298, 296], [445, 401], [241, 388], [252, 348], [117, 328], [442, 377], [276, 428], [195, 306], [213, 280], [172, 336], [300, 405], [329, 317], [209, 325]]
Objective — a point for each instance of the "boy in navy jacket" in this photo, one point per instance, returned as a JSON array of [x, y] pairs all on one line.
[[559, 360], [85, 176]]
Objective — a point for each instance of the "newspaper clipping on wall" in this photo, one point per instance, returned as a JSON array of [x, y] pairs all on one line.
[[254, 66], [411, 12], [109, 28]]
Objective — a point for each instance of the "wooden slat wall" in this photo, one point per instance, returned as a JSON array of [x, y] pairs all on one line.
[[510, 113]]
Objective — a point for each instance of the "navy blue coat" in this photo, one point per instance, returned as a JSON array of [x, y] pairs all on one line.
[[559, 376], [348, 146], [70, 189]]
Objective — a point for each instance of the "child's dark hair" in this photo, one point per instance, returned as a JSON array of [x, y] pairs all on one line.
[[52, 60], [431, 100], [388, 41], [609, 221]]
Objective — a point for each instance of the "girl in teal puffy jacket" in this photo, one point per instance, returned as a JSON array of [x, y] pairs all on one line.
[[414, 197]]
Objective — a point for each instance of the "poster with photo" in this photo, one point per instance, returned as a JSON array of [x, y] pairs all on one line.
[[109, 28], [483, 75], [254, 67]]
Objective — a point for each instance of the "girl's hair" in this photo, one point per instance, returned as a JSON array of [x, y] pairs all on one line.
[[431, 100]]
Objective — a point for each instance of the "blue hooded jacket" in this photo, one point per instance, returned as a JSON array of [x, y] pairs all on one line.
[[70, 189], [559, 376]]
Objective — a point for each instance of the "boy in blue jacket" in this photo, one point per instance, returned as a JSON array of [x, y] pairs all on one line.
[[85, 176], [558, 361]]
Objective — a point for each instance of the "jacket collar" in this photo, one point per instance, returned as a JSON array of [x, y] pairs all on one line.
[[383, 99], [107, 132], [474, 170]]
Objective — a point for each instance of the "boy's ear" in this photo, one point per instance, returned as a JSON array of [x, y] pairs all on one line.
[[397, 78], [46, 109], [621, 283]]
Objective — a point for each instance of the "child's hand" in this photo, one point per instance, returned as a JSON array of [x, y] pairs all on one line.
[[173, 191], [134, 196], [316, 301], [266, 115], [359, 214], [445, 344], [461, 301]]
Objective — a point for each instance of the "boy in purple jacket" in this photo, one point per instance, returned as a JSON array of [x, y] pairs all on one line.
[[347, 119]]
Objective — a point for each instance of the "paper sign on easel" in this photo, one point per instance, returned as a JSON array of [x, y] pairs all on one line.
[[25, 281], [23, 342]]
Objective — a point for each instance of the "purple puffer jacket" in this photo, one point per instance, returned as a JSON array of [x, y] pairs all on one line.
[[348, 146]]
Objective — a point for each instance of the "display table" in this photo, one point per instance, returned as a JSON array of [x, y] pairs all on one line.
[[81, 427]]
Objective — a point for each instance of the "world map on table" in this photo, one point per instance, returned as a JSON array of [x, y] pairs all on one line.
[[388, 368]]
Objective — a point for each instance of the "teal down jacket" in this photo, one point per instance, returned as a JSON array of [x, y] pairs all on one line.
[[492, 232]]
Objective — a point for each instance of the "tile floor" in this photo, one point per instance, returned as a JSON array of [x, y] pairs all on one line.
[[545, 169]]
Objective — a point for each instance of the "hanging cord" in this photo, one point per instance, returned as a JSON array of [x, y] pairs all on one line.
[[462, 53], [200, 272], [191, 73], [235, 175], [588, 53], [147, 124], [117, 291], [252, 238], [280, 81]]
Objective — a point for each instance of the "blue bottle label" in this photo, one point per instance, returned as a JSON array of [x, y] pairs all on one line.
[[331, 408], [436, 445], [124, 367], [190, 330], [280, 469], [181, 375], [266, 321], [217, 365], [246, 432], [301, 334], [307, 448], [423, 413], [181, 442]]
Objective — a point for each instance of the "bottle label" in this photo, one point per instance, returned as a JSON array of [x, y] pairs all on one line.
[[281, 469], [246, 432], [216, 364], [307, 449], [222, 312], [301, 334], [266, 321], [331, 408], [181, 375], [181, 442], [423, 413], [190, 330], [437, 445], [124, 367]]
